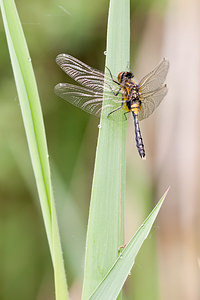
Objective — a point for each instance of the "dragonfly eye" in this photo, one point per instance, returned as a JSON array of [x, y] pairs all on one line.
[[129, 75], [124, 76], [121, 76]]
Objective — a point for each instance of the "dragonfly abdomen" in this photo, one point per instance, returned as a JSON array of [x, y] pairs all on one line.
[[138, 137]]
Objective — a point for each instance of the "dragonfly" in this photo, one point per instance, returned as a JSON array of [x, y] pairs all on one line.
[[102, 94]]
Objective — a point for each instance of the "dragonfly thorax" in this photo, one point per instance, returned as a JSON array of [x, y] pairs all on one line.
[[132, 95], [131, 90]]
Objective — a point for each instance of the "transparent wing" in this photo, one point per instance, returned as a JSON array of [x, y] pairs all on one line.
[[84, 74], [151, 101], [88, 99], [155, 79]]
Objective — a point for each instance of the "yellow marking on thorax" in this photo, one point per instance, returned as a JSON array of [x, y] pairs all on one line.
[[125, 98]]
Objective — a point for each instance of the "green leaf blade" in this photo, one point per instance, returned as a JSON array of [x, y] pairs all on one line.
[[113, 282], [106, 219], [35, 133]]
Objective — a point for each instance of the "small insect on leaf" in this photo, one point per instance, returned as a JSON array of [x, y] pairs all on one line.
[[103, 94]]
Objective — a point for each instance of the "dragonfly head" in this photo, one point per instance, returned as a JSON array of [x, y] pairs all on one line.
[[124, 76]]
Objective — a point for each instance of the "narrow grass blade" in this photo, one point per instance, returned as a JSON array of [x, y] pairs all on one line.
[[34, 127], [106, 218], [113, 282]]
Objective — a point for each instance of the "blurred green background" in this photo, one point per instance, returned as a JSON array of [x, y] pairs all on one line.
[[79, 28]]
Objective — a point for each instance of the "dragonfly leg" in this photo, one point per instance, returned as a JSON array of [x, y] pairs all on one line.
[[126, 112], [116, 109], [115, 93], [112, 76]]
